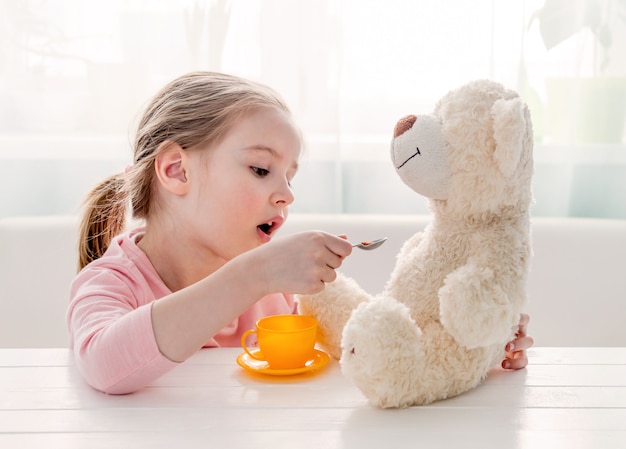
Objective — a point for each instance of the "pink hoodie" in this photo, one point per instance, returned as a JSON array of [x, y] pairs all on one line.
[[110, 322]]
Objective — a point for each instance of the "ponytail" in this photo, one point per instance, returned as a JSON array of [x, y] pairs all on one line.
[[103, 219]]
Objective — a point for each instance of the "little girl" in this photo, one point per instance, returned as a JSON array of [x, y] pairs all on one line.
[[214, 157]]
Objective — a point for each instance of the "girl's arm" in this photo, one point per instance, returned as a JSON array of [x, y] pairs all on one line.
[[123, 339], [110, 327], [301, 263]]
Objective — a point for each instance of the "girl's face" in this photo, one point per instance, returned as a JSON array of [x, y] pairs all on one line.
[[242, 186]]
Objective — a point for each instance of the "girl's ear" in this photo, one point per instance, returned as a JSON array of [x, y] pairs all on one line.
[[170, 167]]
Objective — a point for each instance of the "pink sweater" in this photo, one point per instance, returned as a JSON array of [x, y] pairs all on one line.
[[110, 323]]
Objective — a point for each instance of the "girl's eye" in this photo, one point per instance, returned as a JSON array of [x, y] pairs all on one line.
[[261, 172]]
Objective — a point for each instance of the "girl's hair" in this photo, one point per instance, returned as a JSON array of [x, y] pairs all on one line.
[[197, 109]]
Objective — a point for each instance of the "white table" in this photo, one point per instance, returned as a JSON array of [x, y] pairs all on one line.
[[566, 398]]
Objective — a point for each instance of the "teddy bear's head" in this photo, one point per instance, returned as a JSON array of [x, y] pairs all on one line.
[[473, 155]]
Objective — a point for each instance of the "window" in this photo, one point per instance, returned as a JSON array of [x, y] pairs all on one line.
[[74, 76]]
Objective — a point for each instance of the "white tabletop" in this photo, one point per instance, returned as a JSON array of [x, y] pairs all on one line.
[[566, 398]]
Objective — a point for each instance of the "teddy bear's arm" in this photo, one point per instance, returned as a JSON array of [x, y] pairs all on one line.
[[476, 308], [332, 307]]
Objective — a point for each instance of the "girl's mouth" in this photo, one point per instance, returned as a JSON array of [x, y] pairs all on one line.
[[266, 228], [271, 226]]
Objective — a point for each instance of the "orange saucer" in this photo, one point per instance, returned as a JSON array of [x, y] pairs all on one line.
[[259, 366]]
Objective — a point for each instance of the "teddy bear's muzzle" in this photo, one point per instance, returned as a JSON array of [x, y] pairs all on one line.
[[403, 125]]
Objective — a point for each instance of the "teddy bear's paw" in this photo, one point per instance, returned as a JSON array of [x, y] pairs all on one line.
[[332, 307], [382, 352], [340, 296], [474, 309]]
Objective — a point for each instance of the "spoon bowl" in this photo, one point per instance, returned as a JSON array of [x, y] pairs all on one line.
[[370, 245]]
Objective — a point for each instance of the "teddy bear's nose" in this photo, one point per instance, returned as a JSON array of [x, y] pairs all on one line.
[[403, 125]]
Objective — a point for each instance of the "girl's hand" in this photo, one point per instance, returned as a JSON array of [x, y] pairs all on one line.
[[516, 357], [301, 263]]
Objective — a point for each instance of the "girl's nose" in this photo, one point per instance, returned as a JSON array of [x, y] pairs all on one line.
[[283, 195]]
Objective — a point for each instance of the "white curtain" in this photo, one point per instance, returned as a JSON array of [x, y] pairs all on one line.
[[75, 74]]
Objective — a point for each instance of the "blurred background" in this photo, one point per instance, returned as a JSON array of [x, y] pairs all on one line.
[[75, 75]]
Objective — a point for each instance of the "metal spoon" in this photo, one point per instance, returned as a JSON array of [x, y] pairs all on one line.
[[370, 245]]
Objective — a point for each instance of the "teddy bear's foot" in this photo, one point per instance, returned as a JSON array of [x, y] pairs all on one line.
[[475, 310], [383, 354]]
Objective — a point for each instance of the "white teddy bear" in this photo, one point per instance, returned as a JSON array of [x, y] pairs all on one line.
[[455, 296]]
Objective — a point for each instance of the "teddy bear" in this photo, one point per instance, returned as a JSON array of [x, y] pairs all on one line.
[[455, 295]]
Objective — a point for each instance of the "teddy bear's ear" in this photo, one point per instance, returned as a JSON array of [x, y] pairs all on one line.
[[510, 127]]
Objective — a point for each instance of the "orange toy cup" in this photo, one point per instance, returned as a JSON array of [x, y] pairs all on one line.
[[285, 341]]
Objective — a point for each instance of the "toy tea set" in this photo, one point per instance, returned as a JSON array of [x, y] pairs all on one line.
[[286, 346]]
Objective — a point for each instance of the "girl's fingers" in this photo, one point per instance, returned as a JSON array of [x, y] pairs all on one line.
[[340, 246], [516, 357], [521, 343], [518, 360]]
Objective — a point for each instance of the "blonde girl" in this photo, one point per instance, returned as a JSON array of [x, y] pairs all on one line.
[[214, 157]]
